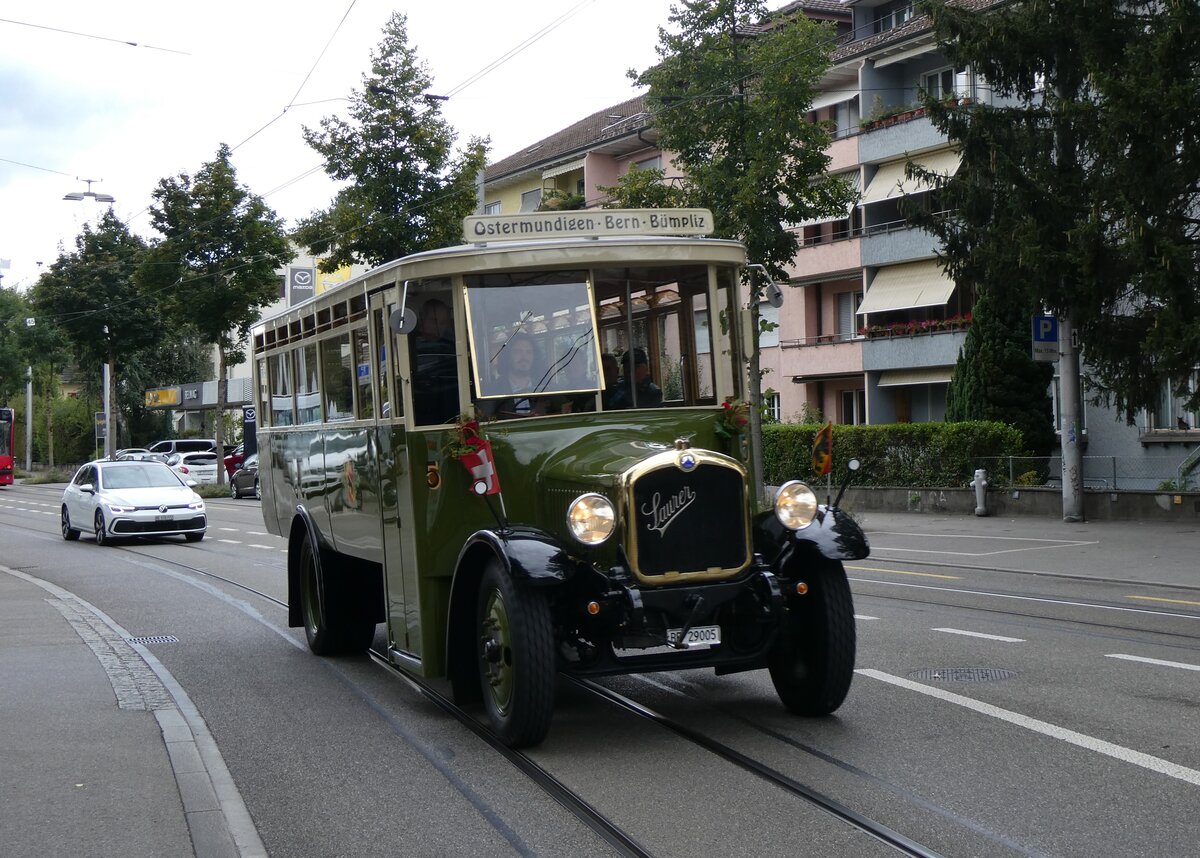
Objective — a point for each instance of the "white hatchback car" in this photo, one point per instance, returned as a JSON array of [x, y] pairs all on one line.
[[201, 467], [113, 499]]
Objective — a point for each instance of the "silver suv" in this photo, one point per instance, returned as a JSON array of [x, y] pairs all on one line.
[[184, 445]]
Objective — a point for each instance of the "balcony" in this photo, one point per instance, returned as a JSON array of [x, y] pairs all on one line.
[[815, 258], [895, 241], [897, 347], [901, 130], [823, 356]]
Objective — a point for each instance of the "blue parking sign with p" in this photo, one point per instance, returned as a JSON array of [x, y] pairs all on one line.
[[1045, 338]]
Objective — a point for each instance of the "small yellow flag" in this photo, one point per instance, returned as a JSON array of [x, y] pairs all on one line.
[[822, 455]]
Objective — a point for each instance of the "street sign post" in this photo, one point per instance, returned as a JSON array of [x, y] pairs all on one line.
[[1045, 338]]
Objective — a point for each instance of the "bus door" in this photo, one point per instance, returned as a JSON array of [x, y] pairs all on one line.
[[391, 450]]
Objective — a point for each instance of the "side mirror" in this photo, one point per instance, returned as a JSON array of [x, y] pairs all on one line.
[[88, 489], [237, 466], [191, 484]]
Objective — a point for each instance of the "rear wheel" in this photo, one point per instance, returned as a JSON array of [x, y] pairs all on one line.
[[102, 537], [257, 490], [812, 663], [69, 533], [233, 492], [515, 654], [333, 623]]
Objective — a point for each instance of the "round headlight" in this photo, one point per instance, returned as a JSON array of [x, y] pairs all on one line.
[[795, 505], [591, 518]]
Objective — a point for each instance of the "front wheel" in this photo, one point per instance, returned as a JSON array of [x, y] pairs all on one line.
[[515, 654], [233, 492], [194, 537], [102, 537], [812, 663], [257, 490], [69, 533]]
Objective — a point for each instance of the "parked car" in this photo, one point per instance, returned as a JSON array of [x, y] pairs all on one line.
[[141, 456], [116, 499], [245, 479], [234, 458], [201, 467], [184, 445]]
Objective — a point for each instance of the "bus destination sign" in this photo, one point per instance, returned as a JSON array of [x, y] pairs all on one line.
[[586, 223]]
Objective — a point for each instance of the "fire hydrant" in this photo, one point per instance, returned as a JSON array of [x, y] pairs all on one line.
[[980, 486]]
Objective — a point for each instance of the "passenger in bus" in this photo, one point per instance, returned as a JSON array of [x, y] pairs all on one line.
[[434, 365], [615, 395], [645, 393], [517, 358]]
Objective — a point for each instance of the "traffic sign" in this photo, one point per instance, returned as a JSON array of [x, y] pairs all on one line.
[[1045, 338]]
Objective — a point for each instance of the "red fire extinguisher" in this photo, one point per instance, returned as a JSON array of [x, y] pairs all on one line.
[[480, 463]]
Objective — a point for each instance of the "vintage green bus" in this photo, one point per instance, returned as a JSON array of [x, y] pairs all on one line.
[[525, 455]]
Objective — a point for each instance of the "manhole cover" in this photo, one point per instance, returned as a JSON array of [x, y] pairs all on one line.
[[154, 639], [962, 674]]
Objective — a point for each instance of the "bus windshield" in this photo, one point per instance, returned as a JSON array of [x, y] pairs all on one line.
[[532, 333], [5, 434]]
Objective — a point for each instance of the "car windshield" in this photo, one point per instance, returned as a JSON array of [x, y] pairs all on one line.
[[200, 458], [138, 475]]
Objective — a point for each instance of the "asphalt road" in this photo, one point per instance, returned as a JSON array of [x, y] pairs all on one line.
[[1019, 692]]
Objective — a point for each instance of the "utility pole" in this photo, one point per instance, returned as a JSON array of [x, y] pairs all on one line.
[[28, 419], [1069, 389]]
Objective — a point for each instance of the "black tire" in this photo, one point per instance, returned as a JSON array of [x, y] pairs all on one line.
[[515, 657], [194, 537], [233, 492], [102, 537], [69, 533], [257, 490], [812, 663], [333, 624]]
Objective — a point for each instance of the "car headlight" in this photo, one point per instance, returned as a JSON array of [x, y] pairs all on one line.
[[591, 518], [196, 505], [118, 509], [795, 505]]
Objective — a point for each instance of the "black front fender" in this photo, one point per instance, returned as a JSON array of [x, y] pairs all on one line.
[[528, 554], [833, 535]]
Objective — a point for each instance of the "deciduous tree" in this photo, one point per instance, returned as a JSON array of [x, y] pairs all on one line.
[[215, 265]]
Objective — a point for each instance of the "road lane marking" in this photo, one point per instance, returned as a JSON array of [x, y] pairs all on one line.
[[257, 533], [268, 547], [228, 529], [864, 617], [1050, 543], [1168, 601], [1045, 728], [1158, 661], [980, 635], [231, 541], [905, 572], [1041, 599]]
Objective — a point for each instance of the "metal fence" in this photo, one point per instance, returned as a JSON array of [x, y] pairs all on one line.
[[1100, 473]]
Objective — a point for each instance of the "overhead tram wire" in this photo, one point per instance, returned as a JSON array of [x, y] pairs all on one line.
[[300, 88], [128, 42], [508, 55]]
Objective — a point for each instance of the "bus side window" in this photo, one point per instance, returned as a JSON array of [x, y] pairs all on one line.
[[434, 364]]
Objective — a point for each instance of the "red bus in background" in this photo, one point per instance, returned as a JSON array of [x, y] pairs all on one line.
[[7, 439]]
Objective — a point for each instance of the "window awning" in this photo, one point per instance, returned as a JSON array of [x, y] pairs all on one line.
[[917, 375], [853, 177], [568, 167], [837, 96], [903, 287], [889, 180]]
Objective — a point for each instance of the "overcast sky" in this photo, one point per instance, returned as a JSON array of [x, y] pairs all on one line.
[[78, 102]]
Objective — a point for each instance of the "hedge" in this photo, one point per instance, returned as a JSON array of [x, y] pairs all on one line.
[[910, 455]]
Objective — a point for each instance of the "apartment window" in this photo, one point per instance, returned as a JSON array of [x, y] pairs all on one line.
[[767, 313], [493, 208], [854, 407], [892, 16], [654, 163], [530, 200], [771, 406], [847, 315], [947, 82]]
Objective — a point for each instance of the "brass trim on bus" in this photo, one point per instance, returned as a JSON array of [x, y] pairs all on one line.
[[671, 458]]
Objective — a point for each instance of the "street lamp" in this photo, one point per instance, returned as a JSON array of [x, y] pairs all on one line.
[[80, 195]]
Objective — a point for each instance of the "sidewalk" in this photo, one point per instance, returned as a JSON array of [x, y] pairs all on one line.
[[1149, 552], [98, 759]]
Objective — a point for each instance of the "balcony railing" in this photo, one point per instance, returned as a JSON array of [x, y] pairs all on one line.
[[917, 327]]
